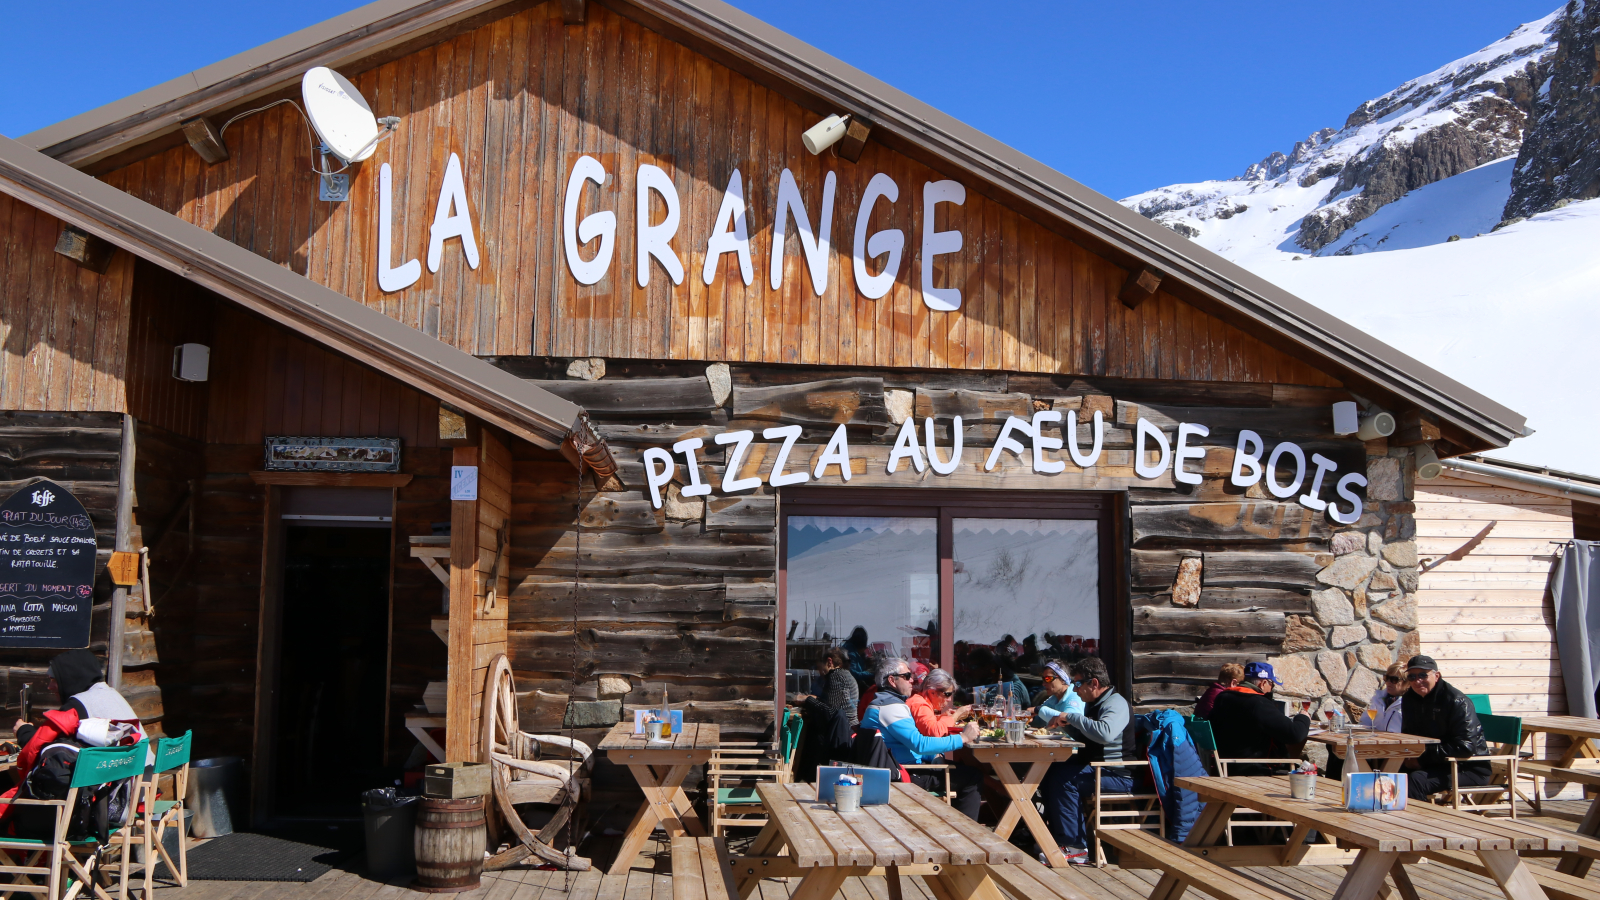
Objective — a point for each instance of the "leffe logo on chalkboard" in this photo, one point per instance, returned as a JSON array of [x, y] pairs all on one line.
[[42, 498]]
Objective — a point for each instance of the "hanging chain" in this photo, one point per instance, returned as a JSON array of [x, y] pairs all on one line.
[[572, 689]]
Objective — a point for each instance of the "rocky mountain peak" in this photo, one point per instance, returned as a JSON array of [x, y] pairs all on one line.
[[1560, 157]]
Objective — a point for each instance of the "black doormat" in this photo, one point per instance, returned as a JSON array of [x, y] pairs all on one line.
[[260, 857]]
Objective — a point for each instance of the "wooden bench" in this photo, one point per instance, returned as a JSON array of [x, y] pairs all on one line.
[[1556, 885], [701, 869], [1217, 881], [1035, 881]]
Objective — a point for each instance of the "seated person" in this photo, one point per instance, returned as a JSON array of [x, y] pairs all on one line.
[[890, 715], [839, 690], [930, 704], [1069, 786], [1437, 709], [1230, 675], [1385, 705], [1059, 697], [1248, 724]]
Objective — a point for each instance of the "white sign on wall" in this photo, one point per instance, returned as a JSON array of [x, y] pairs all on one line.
[[463, 482]]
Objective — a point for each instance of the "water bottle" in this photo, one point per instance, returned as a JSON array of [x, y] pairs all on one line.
[[1339, 726]]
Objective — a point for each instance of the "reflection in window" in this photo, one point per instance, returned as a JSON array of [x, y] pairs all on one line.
[[1026, 591], [871, 583]]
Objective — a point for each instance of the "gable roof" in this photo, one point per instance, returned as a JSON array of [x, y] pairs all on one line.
[[1210, 282], [292, 300]]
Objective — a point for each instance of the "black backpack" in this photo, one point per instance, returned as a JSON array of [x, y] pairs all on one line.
[[93, 813]]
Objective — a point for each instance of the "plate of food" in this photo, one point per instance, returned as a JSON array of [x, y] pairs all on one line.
[[993, 735]]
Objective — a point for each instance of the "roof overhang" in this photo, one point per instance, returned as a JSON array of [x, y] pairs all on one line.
[[296, 302], [1225, 289], [1523, 477]]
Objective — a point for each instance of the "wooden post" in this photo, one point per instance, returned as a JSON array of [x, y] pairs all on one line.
[[119, 597], [463, 591], [480, 550]]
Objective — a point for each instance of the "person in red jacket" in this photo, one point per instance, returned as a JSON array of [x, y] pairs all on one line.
[[1229, 677]]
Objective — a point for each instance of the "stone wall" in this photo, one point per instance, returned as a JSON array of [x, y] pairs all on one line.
[[1363, 614]]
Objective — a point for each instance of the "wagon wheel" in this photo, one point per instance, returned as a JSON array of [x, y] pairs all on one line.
[[499, 731]]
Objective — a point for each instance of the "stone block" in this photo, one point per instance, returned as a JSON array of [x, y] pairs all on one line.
[[1407, 579], [1345, 635], [1348, 572], [681, 508], [613, 686], [1348, 542], [1301, 633], [1332, 667], [721, 382], [899, 403], [1358, 599], [1385, 479], [1375, 656], [1399, 611], [1402, 555], [1332, 607], [1299, 677], [1186, 588], [1374, 542], [1382, 581], [1410, 645], [1380, 632], [1361, 686], [592, 368]]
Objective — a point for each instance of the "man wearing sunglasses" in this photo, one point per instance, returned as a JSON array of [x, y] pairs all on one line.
[[890, 716], [1437, 709]]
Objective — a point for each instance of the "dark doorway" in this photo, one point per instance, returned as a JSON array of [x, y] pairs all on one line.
[[329, 741]]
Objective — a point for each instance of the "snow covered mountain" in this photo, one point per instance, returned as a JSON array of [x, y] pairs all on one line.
[[1450, 218]]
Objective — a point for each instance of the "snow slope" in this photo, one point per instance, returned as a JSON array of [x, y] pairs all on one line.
[[1463, 206], [1514, 315]]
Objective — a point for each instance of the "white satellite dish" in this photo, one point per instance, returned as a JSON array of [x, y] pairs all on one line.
[[340, 114]]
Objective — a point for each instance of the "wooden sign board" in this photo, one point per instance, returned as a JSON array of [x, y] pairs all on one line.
[[47, 568], [123, 568]]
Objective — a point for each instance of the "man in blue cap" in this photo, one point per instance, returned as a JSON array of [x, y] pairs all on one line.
[[1249, 724]]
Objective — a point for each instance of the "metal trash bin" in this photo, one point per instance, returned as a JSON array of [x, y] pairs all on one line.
[[389, 821], [216, 795]]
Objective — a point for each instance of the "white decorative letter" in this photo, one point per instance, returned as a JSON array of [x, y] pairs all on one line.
[[656, 240], [448, 224], [836, 453], [943, 468], [935, 243], [1299, 471], [1145, 429], [730, 482], [1355, 500], [815, 244], [1185, 429], [731, 234], [1247, 459], [892, 242], [696, 487], [657, 478], [1006, 442], [1072, 438], [905, 447], [1309, 499], [1041, 444], [408, 273], [777, 477], [602, 224]]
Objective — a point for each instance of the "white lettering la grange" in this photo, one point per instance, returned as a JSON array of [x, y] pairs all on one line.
[[883, 251], [1153, 455]]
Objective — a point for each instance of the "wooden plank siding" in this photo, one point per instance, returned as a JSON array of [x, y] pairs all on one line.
[[521, 98], [63, 328], [1488, 618]]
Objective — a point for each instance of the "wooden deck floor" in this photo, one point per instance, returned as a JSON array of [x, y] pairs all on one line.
[[650, 880]]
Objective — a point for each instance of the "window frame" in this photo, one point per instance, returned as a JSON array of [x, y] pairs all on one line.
[[1108, 509]]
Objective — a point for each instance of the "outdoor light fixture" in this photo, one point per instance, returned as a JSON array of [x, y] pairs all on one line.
[[1376, 425], [825, 134], [1428, 465]]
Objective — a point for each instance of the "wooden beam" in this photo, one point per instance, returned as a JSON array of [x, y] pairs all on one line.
[[119, 597], [85, 249], [855, 140], [1415, 427], [205, 139], [332, 479], [1140, 286], [463, 603], [572, 11]]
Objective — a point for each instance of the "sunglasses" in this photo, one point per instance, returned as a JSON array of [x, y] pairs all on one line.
[[1417, 676], [947, 693], [1393, 679], [905, 675]]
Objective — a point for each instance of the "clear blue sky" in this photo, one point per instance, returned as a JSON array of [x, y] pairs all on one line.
[[1120, 96]]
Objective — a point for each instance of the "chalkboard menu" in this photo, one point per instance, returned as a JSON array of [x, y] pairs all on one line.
[[47, 567]]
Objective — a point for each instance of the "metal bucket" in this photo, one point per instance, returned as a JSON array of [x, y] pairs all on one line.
[[216, 795], [1303, 786], [847, 798]]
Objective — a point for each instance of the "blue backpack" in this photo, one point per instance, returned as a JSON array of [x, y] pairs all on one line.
[[1172, 756]]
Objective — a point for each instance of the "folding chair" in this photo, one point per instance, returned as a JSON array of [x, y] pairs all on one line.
[[69, 870], [1137, 811], [1506, 733], [1480, 704], [151, 817], [736, 768]]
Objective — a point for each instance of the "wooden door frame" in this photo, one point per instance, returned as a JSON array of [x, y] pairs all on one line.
[[269, 633], [1109, 508]]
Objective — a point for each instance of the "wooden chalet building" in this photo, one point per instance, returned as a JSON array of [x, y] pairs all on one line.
[[917, 393]]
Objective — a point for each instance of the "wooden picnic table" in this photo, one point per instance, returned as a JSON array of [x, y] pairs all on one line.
[[1383, 750], [1002, 757], [660, 770], [1583, 733], [1385, 841], [914, 834]]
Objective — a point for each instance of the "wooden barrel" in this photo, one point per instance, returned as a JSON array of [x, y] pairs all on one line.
[[449, 844]]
